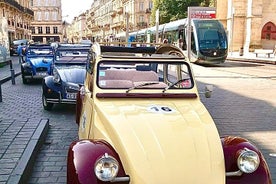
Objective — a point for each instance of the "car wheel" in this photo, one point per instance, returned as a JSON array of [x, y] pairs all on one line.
[[24, 80], [47, 106]]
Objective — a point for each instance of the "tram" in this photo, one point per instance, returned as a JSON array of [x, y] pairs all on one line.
[[208, 38]]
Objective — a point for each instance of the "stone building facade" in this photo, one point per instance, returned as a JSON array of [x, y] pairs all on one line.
[[250, 23], [47, 25], [15, 20], [109, 18]]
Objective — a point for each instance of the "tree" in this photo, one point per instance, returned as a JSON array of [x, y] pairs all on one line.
[[170, 10]]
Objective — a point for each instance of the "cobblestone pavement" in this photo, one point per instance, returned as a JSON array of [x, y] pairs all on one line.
[[22, 107], [243, 105], [239, 106]]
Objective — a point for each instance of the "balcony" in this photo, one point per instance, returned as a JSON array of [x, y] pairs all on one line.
[[29, 11], [14, 4]]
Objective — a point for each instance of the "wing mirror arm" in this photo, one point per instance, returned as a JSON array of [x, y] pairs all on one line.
[[208, 91]]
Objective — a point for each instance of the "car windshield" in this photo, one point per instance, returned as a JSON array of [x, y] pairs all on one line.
[[40, 51], [144, 75], [71, 56]]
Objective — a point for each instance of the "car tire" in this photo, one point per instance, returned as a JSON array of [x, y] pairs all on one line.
[[47, 106], [24, 80]]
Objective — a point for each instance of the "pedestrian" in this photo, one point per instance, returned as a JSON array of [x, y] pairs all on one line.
[[20, 52]]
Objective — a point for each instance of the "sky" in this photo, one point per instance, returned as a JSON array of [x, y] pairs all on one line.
[[73, 8]]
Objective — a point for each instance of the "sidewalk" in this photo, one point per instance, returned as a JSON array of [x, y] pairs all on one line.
[[251, 57], [20, 139], [5, 71]]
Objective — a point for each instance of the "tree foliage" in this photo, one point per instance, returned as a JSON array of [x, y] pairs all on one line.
[[170, 10]]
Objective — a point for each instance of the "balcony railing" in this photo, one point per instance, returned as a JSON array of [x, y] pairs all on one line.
[[16, 5], [29, 11]]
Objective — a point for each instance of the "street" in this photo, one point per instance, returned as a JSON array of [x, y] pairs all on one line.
[[243, 103]]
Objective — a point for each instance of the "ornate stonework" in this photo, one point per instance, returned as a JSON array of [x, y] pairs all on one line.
[[250, 23]]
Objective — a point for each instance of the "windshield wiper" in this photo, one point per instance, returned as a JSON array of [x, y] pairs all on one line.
[[141, 85], [173, 84]]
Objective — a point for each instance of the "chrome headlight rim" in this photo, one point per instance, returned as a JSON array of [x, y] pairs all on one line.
[[28, 64], [248, 161], [56, 76], [106, 168]]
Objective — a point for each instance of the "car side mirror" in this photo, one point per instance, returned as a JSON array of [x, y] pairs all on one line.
[[208, 91]]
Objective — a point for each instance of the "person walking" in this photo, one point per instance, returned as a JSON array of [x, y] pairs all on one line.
[[20, 52]]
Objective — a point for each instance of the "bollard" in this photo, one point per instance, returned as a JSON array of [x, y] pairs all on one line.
[[12, 77], [0, 93], [11, 65]]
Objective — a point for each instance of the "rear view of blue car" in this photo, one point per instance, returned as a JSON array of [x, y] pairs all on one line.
[[38, 63]]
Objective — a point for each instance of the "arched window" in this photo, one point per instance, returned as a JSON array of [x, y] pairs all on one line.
[[269, 31]]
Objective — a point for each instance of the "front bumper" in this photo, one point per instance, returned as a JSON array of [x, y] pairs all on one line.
[[56, 96]]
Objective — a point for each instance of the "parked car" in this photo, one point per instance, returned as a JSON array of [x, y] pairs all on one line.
[[141, 120], [38, 62], [68, 75], [15, 44]]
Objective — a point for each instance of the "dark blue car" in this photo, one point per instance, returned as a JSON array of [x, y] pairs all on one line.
[[38, 62], [68, 75]]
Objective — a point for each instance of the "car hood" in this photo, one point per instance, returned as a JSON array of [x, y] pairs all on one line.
[[164, 141], [41, 61], [73, 74]]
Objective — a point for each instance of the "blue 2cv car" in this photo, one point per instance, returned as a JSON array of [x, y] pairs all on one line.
[[39, 62], [68, 75]]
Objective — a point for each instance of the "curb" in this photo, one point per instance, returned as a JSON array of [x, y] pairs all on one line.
[[24, 167], [251, 60]]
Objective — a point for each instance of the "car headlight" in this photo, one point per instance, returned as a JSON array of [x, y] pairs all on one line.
[[106, 168], [56, 76], [28, 64], [248, 161]]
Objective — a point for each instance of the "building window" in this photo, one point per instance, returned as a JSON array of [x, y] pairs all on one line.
[[39, 30], [33, 30], [54, 15], [141, 6], [47, 30], [141, 18], [269, 31], [46, 15], [38, 15], [150, 4], [54, 3], [31, 3], [55, 29]]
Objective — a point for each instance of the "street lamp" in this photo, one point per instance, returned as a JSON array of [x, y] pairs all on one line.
[[127, 26]]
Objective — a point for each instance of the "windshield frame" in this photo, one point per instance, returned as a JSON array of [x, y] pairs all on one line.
[[147, 85]]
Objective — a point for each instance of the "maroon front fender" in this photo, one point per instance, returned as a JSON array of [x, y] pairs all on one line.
[[231, 146], [82, 156]]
